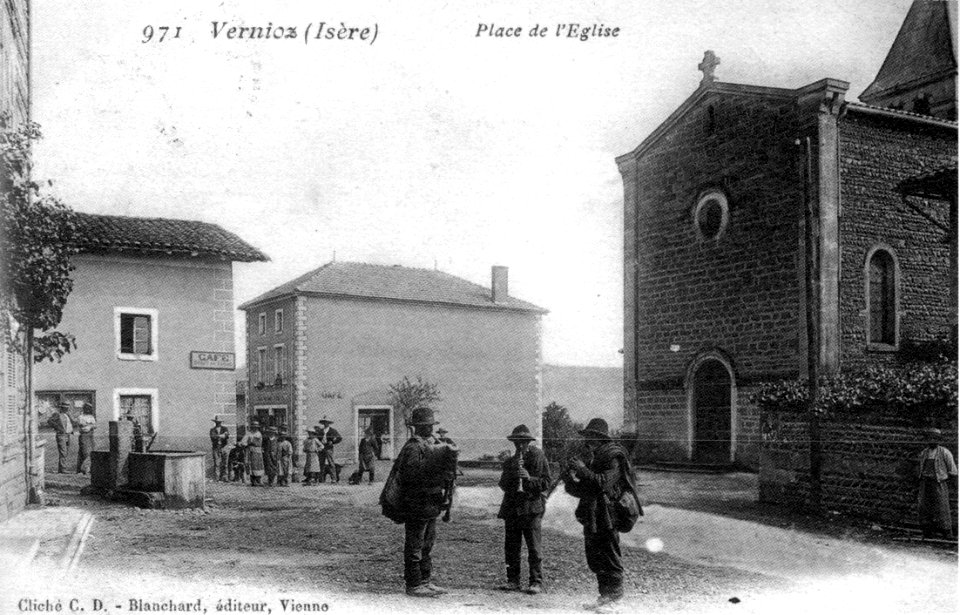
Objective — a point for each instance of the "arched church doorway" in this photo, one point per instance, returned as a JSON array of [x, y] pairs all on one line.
[[712, 412]]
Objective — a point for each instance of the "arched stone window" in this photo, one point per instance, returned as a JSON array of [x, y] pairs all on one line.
[[881, 292]]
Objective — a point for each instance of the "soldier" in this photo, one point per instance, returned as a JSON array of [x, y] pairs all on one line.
[[253, 443], [271, 459], [219, 436], [524, 481], [284, 458], [329, 437], [597, 485], [421, 469], [63, 426], [86, 424]]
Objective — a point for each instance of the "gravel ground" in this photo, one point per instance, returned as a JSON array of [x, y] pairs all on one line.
[[329, 545]]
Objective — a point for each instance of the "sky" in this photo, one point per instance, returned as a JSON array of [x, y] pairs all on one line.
[[430, 147]]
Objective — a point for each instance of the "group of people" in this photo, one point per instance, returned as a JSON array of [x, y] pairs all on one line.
[[64, 427], [526, 483], [266, 456]]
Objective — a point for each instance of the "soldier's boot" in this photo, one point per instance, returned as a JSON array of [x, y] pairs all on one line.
[[421, 591]]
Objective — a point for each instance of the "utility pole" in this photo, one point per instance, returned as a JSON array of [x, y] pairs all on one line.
[[812, 254]]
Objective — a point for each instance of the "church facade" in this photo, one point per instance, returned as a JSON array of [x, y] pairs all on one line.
[[720, 249]]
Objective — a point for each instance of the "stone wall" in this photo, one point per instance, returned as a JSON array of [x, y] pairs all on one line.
[[875, 155], [869, 464]]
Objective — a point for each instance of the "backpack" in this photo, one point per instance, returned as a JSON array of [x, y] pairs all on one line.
[[390, 497], [627, 509]]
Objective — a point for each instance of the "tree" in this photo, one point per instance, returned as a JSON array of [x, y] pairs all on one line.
[[37, 232], [408, 395], [561, 435]]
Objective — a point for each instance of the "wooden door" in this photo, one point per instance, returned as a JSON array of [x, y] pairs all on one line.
[[712, 413]]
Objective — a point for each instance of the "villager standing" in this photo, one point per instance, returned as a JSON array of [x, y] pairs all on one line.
[[367, 455], [421, 469], [63, 426], [311, 458], [935, 466], [329, 437], [285, 458], [86, 424], [271, 459], [237, 461], [442, 436], [597, 485], [253, 442], [524, 481], [219, 437]]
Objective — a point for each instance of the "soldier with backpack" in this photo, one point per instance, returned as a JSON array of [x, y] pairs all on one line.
[[608, 505], [414, 494]]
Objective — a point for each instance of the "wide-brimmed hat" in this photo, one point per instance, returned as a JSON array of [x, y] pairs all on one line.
[[932, 433], [442, 430], [255, 424], [271, 429], [520, 433], [596, 429], [422, 416], [282, 429], [217, 419], [64, 404], [325, 420]]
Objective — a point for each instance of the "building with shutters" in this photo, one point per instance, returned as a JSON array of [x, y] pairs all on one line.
[[717, 256], [332, 341], [17, 472], [152, 312]]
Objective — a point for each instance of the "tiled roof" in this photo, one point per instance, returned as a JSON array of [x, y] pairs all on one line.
[[97, 233], [891, 112], [392, 283], [924, 48]]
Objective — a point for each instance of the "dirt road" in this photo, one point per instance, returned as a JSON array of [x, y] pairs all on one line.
[[329, 545]]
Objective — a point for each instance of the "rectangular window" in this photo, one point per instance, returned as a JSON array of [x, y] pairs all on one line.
[[262, 323], [278, 362], [278, 321], [261, 364], [139, 405], [136, 333]]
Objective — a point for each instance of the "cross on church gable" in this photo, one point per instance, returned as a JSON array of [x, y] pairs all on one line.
[[708, 65]]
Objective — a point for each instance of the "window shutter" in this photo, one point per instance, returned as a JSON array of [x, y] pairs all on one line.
[[141, 334]]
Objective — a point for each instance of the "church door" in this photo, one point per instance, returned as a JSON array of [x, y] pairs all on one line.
[[711, 413]]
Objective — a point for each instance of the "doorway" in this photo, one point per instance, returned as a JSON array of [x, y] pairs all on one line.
[[712, 412], [379, 419]]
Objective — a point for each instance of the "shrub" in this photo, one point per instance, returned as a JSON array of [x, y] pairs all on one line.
[[920, 390], [561, 439]]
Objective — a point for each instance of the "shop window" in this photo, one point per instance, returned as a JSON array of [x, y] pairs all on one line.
[[138, 405]]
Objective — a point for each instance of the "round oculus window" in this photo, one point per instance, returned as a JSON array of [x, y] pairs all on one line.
[[711, 215]]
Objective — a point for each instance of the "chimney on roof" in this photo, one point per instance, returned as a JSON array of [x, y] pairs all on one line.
[[498, 283]]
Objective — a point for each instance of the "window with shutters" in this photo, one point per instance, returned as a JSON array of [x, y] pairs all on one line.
[[278, 362], [136, 333], [880, 292], [11, 384], [261, 365], [139, 405], [278, 321]]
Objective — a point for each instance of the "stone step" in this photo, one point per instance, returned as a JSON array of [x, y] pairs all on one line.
[[688, 466]]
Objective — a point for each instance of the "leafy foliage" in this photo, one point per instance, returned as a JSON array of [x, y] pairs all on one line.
[[37, 232], [409, 395], [919, 389], [561, 438]]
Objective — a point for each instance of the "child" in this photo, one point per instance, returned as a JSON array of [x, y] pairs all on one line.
[[311, 461], [285, 458]]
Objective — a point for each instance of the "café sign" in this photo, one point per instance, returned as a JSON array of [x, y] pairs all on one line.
[[200, 359]]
